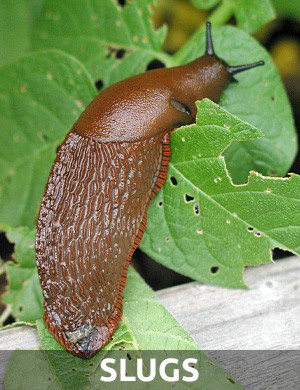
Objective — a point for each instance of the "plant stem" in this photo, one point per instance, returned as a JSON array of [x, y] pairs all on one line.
[[222, 14], [218, 17]]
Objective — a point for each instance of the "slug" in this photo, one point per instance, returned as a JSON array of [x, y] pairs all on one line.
[[94, 209]]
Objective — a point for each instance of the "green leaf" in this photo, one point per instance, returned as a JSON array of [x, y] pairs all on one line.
[[205, 4], [30, 370], [94, 30], [24, 294], [209, 228], [41, 96], [145, 325], [251, 15], [258, 98]]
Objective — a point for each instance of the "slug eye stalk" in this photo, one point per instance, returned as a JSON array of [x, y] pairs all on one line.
[[209, 45], [232, 70], [240, 68]]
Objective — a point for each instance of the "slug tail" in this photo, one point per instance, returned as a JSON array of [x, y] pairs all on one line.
[[92, 219]]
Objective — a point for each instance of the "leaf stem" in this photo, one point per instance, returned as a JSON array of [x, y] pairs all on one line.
[[218, 17], [221, 14]]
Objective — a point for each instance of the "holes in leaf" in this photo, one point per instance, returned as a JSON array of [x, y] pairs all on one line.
[[129, 356], [188, 198], [214, 270], [74, 369], [44, 136], [160, 204], [99, 84], [109, 52], [231, 380], [257, 234], [167, 239], [250, 229], [6, 247], [155, 64], [120, 53], [122, 3], [199, 231], [9, 320], [20, 308], [173, 181], [196, 209]]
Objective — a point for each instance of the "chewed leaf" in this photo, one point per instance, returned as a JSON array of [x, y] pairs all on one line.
[[258, 98], [102, 35], [221, 227]]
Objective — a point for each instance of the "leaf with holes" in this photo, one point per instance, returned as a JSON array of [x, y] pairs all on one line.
[[24, 293], [41, 96], [145, 325], [111, 41], [258, 98], [201, 224]]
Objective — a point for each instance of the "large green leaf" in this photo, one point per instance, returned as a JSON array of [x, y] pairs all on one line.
[[258, 98], [221, 227], [94, 30], [41, 96], [24, 293], [145, 325]]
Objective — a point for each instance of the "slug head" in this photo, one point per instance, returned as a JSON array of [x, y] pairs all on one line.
[[209, 75], [231, 70]]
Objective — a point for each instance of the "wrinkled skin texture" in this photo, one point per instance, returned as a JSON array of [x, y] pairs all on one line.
[[94, 209]]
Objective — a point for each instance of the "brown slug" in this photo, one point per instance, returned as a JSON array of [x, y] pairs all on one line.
[[94, 209]]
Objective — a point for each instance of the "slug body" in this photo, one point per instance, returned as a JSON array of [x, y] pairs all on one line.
[[94, 209]]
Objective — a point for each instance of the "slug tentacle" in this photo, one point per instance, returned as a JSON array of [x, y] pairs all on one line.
[[209, 43], [240, 68]]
